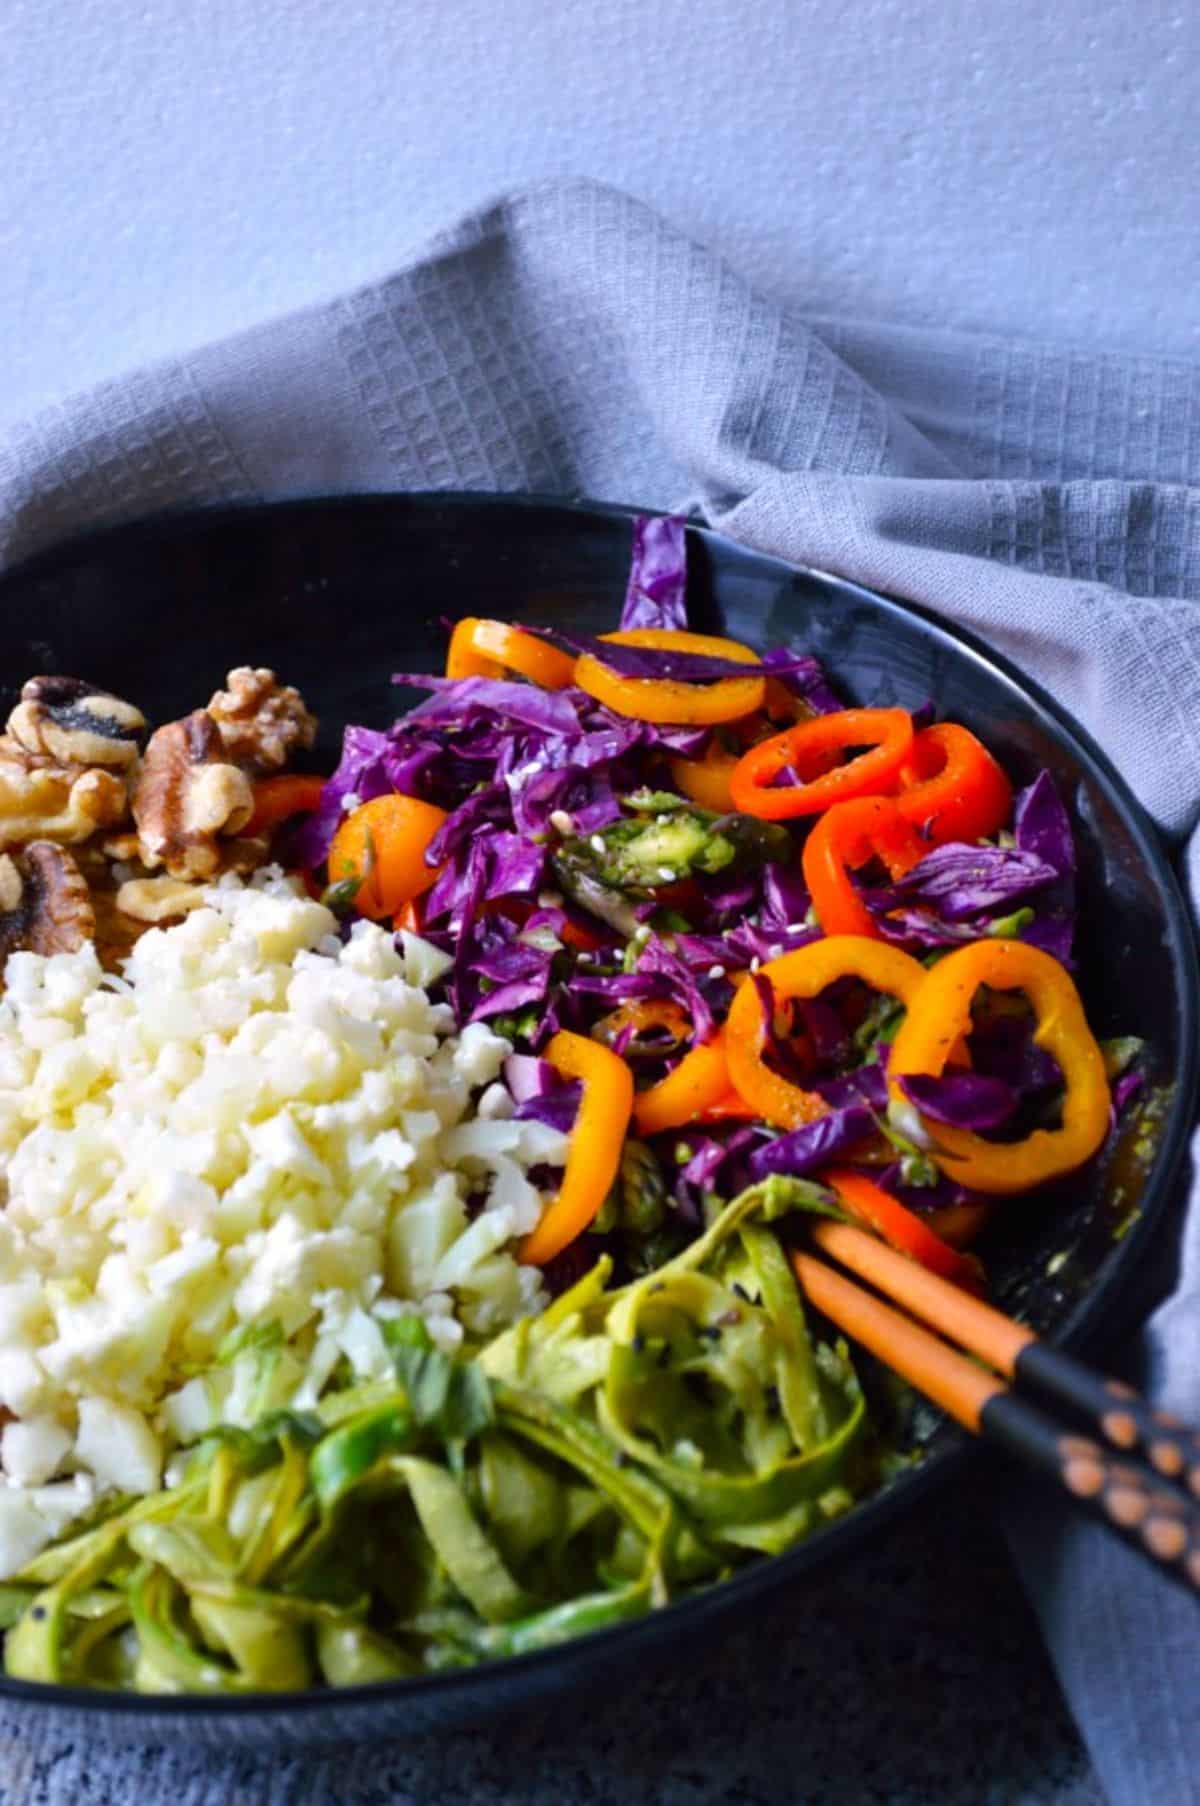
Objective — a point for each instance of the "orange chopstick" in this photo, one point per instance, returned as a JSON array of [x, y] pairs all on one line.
[[960, 1387], [954, 1313]]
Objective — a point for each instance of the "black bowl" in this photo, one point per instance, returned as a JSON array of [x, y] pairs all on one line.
[[337, 594]]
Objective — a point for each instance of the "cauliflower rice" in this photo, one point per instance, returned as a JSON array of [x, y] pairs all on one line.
[[259, 1125]]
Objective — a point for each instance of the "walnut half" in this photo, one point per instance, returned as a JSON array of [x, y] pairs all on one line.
[[261, 721], [74, 723], [188, 796], [45, 905], [158, 899], [40, 800]]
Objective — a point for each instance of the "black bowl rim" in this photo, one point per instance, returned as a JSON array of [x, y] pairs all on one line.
[[836, 1540]]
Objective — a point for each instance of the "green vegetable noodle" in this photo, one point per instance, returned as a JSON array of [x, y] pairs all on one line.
[[584, 1467]]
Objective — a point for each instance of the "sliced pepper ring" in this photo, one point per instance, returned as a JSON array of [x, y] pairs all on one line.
[[706, 780], [669, 701], [886, 733], [596, 1142], [805, 973], [901, 1228], [698, 1084], [941, 1014], [277, 799], [642, 1014], [953, 788], [382, 847], [845, 837], [483, 648]]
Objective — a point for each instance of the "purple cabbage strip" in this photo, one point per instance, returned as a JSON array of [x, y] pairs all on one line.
[[1003, 1047], [487, 807], [803, 1151], [361, 772], [725, 896], [959, 881], [748, 942], [865, 1085], [1041, 826], [659, 664], [657, 591], [504, 962], [557, 1109], [517, 995], [924, 1198], [717, 1164], [786, 901], [805, 677], [674, 980], [965, 1100], [526, 1076], [458, 699], [1123, 1092]]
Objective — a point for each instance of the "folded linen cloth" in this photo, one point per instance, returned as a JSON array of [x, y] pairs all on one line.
[[568, 340]]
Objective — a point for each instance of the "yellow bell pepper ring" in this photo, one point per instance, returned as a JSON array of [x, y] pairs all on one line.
[[805, 973], [483, 648], [941, 1014], [670, 702], [596, 1142]]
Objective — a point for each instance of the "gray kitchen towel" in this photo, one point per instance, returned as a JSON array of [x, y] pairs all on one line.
[[567, 340]]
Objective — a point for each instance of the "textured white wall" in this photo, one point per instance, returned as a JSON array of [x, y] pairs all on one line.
[[172, 169]]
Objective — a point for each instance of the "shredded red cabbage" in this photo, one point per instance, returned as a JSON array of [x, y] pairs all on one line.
[[804, 1151], [657, 591], [518, 769], [803, 676], [966, 1100], [557, 1109]]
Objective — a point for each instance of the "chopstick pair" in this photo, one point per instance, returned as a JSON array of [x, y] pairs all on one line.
[[1139, 1469]]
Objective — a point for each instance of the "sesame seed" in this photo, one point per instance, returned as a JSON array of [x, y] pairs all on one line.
[[350, 802], [561, 822], [666, 874], [596, 843], [716, 971], [755, 963], [549, 899]]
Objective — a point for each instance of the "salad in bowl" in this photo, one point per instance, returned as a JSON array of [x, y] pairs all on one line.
[[403, 1166]]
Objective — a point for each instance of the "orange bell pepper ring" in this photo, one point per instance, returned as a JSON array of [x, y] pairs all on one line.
[[845, 837], [278, 799], [669, 701], [641, 1014], [698, 1085], [706, 781], [902, 1228], [941, 1013], [806, 973], [382, 845], [483, 648], [886, 733], [953, 789], [596, 1142]]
